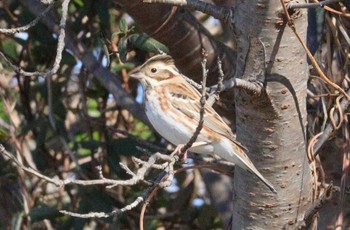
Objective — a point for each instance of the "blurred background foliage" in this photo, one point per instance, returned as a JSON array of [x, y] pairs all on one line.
[[92, 130], [89, 126]]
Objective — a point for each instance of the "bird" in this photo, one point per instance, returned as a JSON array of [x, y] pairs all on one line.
[[172, 106]]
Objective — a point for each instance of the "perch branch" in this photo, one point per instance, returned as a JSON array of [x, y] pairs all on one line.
[[221, 13], [202, 104], [310, 5]]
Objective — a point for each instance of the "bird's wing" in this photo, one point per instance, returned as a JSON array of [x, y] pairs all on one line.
[[186, 99]]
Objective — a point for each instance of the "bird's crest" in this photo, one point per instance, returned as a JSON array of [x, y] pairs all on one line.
[[167, 59]]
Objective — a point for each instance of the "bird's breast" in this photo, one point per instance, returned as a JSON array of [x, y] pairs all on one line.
[[165, 119]]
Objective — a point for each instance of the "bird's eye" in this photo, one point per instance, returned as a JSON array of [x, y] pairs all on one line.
[[153, 70]]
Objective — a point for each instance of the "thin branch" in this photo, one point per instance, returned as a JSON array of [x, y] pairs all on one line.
[[335, 11], [214, 96], [18, 69], [129, 207], [139, 176], [221, 13], [317, 206], [102, 74], [238, 83], [312, 59], [58, 58], [56, 182], [158, 183], [202, 104], [60, 46], [221, 78], [164, 179], [29, 25], [193, 83], [311, 5], [327, 132]]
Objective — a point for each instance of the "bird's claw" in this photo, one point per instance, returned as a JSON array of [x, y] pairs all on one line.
[[178, 152]]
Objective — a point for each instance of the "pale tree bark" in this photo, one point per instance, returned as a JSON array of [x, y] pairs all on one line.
[[271, 125]]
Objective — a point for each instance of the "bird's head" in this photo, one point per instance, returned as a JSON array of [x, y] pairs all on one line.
[[156, 69]]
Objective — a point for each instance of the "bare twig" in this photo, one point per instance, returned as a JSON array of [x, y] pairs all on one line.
[[344, 104], [58, 58], [137, 177], [102, 74], [129, 207], [152, 192], [316, 206], [53, 70], [60, 47], [345, 172], [202, 103], [221, 78], [214, 96], [238, 83], [218, 12], [56, 182], [29, 25], [335, 11], [18, 69], [310, 5], [312, 59]]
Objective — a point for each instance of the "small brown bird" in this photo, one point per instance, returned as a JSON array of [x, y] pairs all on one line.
[[173, 105]]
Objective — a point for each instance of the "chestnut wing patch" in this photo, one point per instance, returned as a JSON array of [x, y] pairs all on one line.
[[186, 100]]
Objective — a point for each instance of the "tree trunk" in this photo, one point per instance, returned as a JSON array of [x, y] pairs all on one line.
[[271, 125]]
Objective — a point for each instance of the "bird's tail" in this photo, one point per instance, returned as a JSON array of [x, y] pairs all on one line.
[[254, 171], [247, 164]]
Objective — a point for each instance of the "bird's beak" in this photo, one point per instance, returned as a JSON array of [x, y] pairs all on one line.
[[137, 75]]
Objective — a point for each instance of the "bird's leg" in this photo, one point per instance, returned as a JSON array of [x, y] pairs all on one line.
[[184, 154], [178, 152]]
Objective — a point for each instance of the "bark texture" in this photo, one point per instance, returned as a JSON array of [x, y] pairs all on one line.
[[271, 125]]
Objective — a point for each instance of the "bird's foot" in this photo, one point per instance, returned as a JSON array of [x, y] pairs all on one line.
[[178, 152]]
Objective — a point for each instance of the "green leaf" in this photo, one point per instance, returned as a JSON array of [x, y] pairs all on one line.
[[123, 48], [123, 26], [142, 131], [146, 43], [127, 66], [92, 107], [139, 41], [79, 2], [10, 49], [86, 147]]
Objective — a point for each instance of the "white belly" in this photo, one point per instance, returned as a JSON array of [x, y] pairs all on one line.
[[172, 130]]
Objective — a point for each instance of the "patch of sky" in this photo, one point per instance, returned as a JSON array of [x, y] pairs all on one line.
[[173, 187], [198, 202], [140, 96], [22, 35]]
